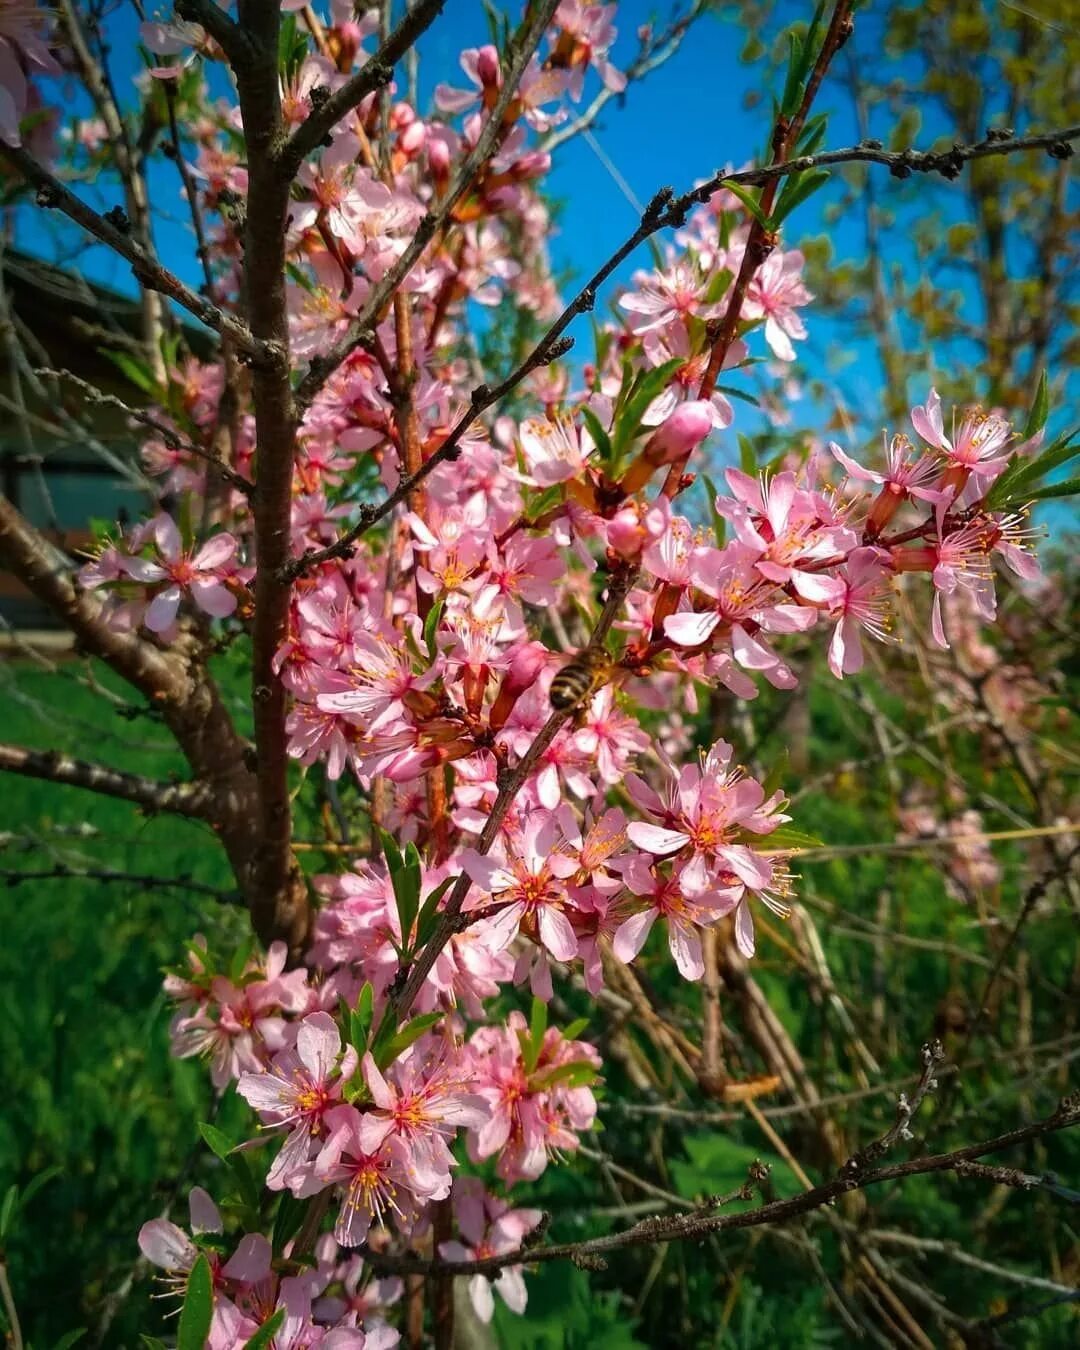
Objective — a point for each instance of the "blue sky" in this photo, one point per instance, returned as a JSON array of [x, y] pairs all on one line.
[[678, 126]]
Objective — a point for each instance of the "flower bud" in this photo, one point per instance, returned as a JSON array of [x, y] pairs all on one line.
[[684, 430]]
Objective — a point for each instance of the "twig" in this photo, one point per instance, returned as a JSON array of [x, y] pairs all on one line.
[[171, 438], [694, 1226], [185, 799], [149, 272], [62, 872], [933, 1054], [14, 1330]]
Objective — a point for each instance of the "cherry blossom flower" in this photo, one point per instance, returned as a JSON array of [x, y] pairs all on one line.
[[489, 1228], [200, 575]]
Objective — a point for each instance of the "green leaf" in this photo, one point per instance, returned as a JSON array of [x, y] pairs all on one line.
[[538, 1022], [431, 627], [247, 1184], [267, 1331], [360, 1018], [1068, 488], [812, 134], [152, 1343], [748, 200], [390, 1044], [70, 1338], [796, 190], [747, 456], [719, 524], [1020, 475], [601, 439], [574, 1030], [1040, 409], [544, 501], [644, 389], [7, 1209], [287, 1221], [36, 1182], [137, 372], [786, 836], [426, 919], [240, 959], [217, 1139], [580, 1073], [198, 1309]]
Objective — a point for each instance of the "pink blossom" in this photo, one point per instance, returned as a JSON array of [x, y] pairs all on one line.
[[774, 293], [199, 574]]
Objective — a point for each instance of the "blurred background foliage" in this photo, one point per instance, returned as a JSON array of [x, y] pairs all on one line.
[[887, 948]]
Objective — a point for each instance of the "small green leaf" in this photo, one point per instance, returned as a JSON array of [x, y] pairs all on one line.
[[70, 1338], [1069, 487], [198, 1309], [1040, 409], [152, 1342], [580, 1073], [747, 456], [389, 1045], [287, 1221], [538, 1022], [36, 1182], [645, 388], [431, 627], [787, 836], [600, 438], [248, 1186], [266, 1332], [426, 919], [719, 524], [360, 1018], [217, 1139], [7, 1209], [543, 502], [748, 200], [796, 190], [137, 372], [574, 1030], [240, 959]]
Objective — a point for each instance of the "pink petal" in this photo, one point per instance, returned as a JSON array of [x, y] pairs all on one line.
[[655, 839], [630, 935]]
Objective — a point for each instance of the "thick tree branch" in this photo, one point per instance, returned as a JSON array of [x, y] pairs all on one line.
[[376, 74], [281, 906], [148, 271], [185, 799]]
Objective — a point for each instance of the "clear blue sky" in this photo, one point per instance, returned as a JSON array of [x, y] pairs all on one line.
[[682, 123]]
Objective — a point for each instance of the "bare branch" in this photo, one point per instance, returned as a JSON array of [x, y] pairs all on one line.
[[186, 799], [695, 1226], [175, 442], [62, 872], [148, 270]]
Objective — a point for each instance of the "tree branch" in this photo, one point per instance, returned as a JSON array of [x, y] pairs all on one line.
[[376, 74], [664, 212], [62, 872], [525, 42], [185, 799], [694, 1227], [149, 272]]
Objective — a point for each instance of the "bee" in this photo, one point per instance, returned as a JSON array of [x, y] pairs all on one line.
[[583, 675]]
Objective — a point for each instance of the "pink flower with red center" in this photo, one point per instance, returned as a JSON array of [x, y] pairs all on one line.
[[423, 1103], [299, 1088], [979, 447], [684, 915], [586, 35], [865, 606], [663, 297], [199, 574], [554, 450], [774, 293], [528, 884], [375, 1184], [489, 1227], [703, 817]]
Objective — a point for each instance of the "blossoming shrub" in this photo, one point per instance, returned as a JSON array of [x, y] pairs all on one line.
[[498, 679]]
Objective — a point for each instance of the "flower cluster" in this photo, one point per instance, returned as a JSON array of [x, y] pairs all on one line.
[[506, 672]]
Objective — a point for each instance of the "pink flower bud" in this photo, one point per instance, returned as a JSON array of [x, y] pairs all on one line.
[[438, 153], [413, 137], [686, 428], [487, 67], [525, 666]]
